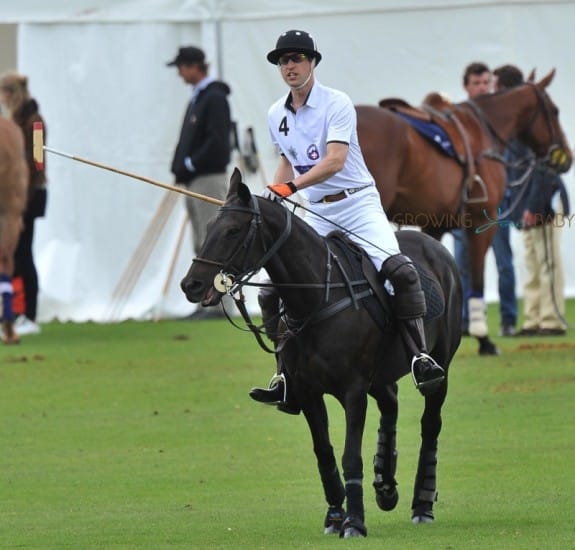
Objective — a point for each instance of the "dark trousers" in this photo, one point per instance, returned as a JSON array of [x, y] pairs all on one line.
[[25, 268]]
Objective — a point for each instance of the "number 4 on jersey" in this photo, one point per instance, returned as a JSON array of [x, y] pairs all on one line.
[[283, 127]]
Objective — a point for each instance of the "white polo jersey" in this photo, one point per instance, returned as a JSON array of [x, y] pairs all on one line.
[[328, 115]]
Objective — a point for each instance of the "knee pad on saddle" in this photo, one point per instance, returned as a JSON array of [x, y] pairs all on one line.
[[408, 301]]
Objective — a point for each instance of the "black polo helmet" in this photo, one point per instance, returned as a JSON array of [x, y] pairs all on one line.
[[294, 41]]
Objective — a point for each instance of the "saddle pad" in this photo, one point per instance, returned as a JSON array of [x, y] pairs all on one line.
[[433, 132], [433, 296], [343, 247]]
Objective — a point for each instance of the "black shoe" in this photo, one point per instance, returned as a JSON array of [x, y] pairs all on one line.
[[426, 373], [507, 331], [527, 332], [276, 394]]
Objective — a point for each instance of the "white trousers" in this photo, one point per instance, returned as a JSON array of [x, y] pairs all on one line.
[[361, 216]]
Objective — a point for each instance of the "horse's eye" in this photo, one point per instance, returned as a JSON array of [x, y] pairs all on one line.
[[233, 231]]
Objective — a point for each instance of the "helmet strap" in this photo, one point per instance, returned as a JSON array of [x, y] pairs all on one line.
[[297, 88]]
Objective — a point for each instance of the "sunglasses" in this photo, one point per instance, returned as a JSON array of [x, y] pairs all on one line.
[[295, 57]]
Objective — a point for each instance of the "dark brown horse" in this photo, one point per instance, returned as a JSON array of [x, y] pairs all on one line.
[[421, 185], [330, 344], [13, 188]]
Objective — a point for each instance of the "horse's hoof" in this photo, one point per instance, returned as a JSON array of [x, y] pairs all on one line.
[[353, 527], [333, 520], [422, 519], [422, 513], [487, 347], [387, 498]]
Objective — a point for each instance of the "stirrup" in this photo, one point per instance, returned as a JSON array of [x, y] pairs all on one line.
[[432, 383], [275, 380], [263, 395]]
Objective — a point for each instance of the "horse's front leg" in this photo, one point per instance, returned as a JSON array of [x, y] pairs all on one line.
[[425, 487], [316, 415], [478, 245], [355, 405], [385, 459]]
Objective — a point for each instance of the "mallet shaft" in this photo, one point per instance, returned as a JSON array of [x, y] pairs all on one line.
[[181, 190]]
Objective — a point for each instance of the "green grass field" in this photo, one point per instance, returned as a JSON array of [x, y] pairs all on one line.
[[142, 435]]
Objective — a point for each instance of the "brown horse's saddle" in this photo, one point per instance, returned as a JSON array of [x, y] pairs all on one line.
[[437, 121], [378, 304]]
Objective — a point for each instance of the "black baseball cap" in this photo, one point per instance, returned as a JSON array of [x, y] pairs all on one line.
[[188, 55]]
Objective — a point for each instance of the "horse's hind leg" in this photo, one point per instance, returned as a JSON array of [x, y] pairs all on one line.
[[385, 459], [425, 488], [316, 416]]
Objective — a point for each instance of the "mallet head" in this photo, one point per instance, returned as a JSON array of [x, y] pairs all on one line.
[[38, 144]]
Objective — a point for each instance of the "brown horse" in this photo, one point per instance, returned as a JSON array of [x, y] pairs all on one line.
[[421, 185], [13, 189]]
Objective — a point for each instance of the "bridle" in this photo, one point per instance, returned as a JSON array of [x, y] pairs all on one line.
[[555, 155], [231, 279]]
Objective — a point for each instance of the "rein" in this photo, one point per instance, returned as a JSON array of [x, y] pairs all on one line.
[[504, 144], [232, 283]]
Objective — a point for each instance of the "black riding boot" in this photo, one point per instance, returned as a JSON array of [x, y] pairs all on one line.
[[277, 392], [409, 308], [426, 373]]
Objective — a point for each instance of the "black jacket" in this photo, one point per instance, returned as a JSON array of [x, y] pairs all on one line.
[[205, 134], [540, 190]]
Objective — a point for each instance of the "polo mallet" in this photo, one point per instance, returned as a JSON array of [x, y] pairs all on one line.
[[38, 153]]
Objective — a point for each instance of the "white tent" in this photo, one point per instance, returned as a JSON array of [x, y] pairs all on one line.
[[97, 67]]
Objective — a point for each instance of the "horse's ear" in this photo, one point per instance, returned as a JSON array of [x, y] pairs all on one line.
[[531, 77], [547, 80], [244, 193], [238, 187], [235, 181]]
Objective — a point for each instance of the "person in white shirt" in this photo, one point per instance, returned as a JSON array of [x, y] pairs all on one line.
[[315, 131]]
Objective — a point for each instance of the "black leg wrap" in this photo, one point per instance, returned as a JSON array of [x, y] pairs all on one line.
[[354, 526], [409, 300], [425, 489], [269, 301], [354, 498], [384, 467]]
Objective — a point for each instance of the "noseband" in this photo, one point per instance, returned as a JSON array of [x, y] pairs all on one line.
[[230, 279]]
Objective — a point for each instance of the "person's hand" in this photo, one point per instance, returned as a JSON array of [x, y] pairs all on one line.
[[278, 191], [529, 219]]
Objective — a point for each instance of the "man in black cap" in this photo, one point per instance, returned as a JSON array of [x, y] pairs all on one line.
[[204, 147]]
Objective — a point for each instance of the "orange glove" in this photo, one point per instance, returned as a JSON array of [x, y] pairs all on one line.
[[283, 190]]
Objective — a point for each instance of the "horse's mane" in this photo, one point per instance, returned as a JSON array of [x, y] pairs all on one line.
[[271, 210]]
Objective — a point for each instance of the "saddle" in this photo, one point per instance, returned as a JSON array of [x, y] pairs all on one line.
[[378, 304], [437, 121]]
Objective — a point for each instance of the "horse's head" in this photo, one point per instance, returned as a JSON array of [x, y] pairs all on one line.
[[543, 132], [237, 245], [224, 253]]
